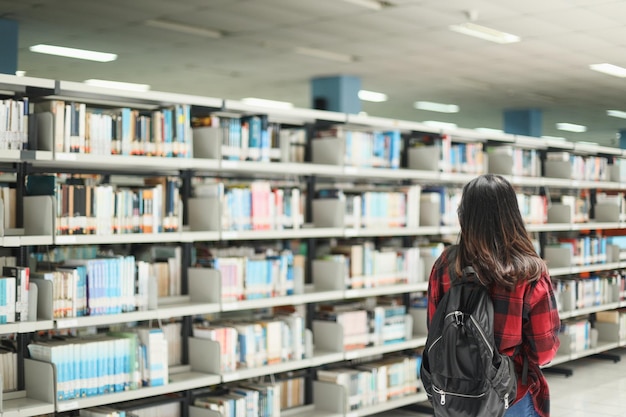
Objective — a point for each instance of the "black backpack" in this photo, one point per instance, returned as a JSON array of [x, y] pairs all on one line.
[[462, 371]]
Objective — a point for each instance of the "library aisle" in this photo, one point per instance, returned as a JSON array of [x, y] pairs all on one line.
[[596, 389]]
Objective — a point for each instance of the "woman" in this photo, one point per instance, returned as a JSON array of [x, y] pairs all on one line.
[[526, 322]]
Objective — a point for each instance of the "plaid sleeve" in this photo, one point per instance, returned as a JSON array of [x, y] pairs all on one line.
[[541, 322], [438, 284]]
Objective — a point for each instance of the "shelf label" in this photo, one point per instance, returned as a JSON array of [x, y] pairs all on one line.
[[65, 157], [62, 406], [351, 232], [230, 235], [351, 170], [352, 355], [65, 239], [67, 323]]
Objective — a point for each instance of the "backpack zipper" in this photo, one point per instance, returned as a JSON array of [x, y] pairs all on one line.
[[442, 395], [482, 334]]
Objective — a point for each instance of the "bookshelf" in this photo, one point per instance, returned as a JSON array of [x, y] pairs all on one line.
[[325, 223]]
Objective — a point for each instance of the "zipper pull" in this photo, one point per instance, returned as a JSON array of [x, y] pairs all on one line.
[[506, 401], [442, 398]]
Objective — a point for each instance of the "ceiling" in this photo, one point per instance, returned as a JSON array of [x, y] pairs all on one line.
[[405, 51]]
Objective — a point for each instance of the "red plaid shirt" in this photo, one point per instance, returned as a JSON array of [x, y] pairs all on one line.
[[525, 318]]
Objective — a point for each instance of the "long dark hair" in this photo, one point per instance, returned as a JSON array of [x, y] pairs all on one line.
[[493, 238]]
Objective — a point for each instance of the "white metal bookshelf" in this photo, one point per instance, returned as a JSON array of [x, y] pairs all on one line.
[[38, 398]]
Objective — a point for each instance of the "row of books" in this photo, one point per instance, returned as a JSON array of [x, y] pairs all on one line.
[[100, 364], [616, 318], [14, 289], [575, 335], [108, 209], [8, 365], [526, 162], [448, 156], [583, 250], [376, 382], [533, 208], [248, 399], [77, 128], [447, 199], [245, 138], [292, 392], [256, 206], [252, 344], [380, 149], [14, 124], [90, 287], [366, 324], [579, 293], [589, 168], [257, 276], [367, 267]]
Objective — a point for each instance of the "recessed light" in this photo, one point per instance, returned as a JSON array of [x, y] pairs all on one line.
[[261, 102], [372, 96], [73, 53], [443, 125], [329, 55], [438, 107], [571, 127], [183, 28], [616, 113], [368, 4], [489, 130], [118, 85], [609, 69], [485, 33]]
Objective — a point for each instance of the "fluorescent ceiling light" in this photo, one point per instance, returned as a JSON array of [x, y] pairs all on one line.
[[182, 28], [373, 96], [329, 55], [489, 130], [616, 113], [443, 125], [571, 127], [118, 85], [368, 4], [609, 69], [438, 107], [267, 103], [485, 33], [73, 53]]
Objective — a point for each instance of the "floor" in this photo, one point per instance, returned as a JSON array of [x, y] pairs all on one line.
[[597, 388]]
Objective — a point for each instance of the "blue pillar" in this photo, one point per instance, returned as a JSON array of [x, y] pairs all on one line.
[[339, 93], [525, 122], [8, 46]]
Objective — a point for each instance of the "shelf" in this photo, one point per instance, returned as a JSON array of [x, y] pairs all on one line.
[[389, 405], [308, 411], [118, 238], [32, 240], [571, 270], [386, 290], [266, 370], [296, 299], [133, 163], [15, 83], [25, 155], [293, 115], [200, 236], [17, 404], [379, 350], [178, 382], [324, 358], [306, 232], [588, 310], [69, 89], [26, 326]]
